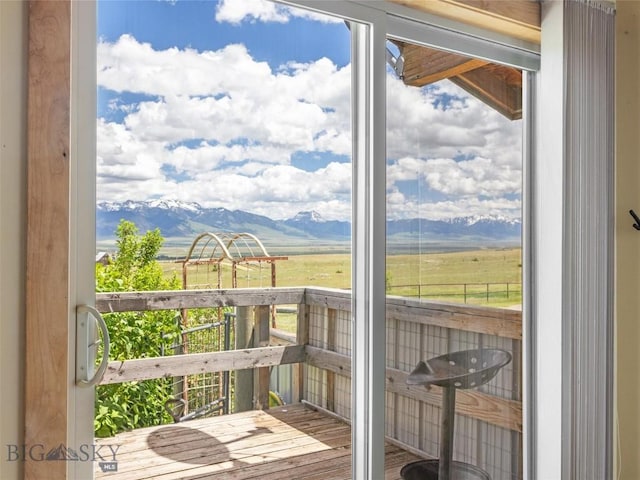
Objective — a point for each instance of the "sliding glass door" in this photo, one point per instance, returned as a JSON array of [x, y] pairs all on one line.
[[454, 261], [393, 144]]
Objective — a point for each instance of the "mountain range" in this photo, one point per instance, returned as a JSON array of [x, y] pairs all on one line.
[[182, 220]]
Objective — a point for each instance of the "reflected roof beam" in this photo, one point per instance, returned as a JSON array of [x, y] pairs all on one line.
[[515, 18], [497, 86], [423, 66]]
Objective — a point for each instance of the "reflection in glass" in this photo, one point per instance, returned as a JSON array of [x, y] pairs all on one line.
[[453, 280]]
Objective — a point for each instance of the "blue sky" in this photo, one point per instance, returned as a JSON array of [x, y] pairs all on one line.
[[245, 104], [193, 24]]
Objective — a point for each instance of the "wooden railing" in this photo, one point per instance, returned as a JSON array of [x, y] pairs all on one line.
[[490, 417], [254, 353], [416, 330]]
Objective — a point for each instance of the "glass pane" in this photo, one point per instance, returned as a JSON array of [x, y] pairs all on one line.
[[227, 126], [454, 269]]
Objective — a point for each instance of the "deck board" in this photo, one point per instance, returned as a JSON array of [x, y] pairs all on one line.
[[286, 442]]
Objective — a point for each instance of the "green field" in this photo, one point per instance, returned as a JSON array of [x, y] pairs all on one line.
[[480, 277]]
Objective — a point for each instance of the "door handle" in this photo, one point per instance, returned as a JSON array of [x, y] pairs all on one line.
[[86, 343]]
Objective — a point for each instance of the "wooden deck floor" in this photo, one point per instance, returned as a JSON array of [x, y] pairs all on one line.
[[290, 442]]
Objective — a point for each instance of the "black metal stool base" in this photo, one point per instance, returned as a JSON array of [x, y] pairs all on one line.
[[464, 369], [428, 470]]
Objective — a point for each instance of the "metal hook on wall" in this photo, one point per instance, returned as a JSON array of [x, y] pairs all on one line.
[[635, 217]]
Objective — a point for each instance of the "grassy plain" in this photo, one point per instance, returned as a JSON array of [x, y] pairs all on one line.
[[486, 277]]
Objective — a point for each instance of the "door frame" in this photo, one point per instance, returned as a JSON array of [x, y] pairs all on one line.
[[60, 247], [47, 289], [82, 232], [60, 253]]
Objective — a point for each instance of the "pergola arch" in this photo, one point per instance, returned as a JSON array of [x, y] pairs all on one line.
[[236, 249], [210, 248]]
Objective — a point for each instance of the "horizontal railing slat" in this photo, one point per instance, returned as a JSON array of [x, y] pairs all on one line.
[[471, 403], [176, 299], [478, 319], [493, 321], [496, 323], [328, 297], [195, 363]]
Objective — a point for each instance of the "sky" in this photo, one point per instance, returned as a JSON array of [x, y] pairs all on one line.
[[245, 104]]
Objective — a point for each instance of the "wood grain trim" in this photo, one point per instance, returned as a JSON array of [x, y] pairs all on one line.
[[423, 66], [47, 279], [422, 79], [515, 18], [195, 363]]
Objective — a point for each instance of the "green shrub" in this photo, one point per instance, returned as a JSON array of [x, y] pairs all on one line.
[[131, 405]]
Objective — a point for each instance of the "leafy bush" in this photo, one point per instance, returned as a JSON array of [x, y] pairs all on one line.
[[131, 405]]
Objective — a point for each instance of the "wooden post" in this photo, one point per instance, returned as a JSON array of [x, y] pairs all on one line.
[[302, 338], [261, 336], [273, 284], [234, 274], [332, 315], [47, 268], [184, 311], [243, 399]]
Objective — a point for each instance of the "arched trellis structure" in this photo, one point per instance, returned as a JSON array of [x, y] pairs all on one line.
[[210, 393], [232, 248]]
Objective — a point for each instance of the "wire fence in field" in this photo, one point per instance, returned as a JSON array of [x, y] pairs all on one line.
[[473, 293]]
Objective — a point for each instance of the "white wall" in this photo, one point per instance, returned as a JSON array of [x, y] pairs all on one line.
[[13, 157]]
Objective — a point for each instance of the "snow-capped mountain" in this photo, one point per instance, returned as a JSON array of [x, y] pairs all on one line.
[[471, 220], [180, 219], [162, 204], [315, 225], [185, 220], [311, 216], [175, 205]]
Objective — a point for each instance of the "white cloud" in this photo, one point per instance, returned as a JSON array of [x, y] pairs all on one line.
[[133, 66], [477, 176], [277, 191], [123, 156], [224, 96], [418, 125], [229, 127], [238, 11], [401, 207]]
